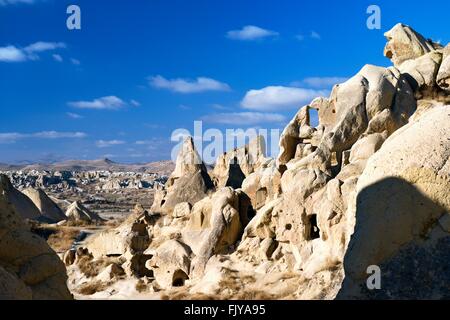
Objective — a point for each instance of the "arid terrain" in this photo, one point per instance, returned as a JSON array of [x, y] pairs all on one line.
[[367, 187]]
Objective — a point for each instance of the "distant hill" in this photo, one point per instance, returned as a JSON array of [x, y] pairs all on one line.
[[161, 167]]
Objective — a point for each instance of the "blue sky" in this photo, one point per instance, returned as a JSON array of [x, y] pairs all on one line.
[[138, 70]]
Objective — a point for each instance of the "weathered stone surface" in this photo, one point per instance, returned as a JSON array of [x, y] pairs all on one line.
[[29, 269], [46, 206], [78, 212], [405, 44], [21, 203], [410, 174], [233, 167], [443, 77], [171, 264], [181, 210], [189, 182]]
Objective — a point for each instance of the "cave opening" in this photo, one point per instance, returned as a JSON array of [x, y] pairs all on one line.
[[312, 229]]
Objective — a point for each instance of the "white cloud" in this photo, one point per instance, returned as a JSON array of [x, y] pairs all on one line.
[[59, 135], [315, 35], [75, 61], [201, 84], [143, 142], [135, 103], [250, 33], [11, 137], [244, 118], [319, 82], [278, 97], [8, 2], [44, 46], [74, 115], [108, 143], [312, 35], [57, 57], [13, 54], [103, 103]]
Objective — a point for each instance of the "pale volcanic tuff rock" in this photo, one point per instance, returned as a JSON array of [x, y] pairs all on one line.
[[411, 173], [405, 44], [78, 212], [233, 167], [308, 224], [189, 182], [46, 206], [443, 77], [21, 203], [29, 268]]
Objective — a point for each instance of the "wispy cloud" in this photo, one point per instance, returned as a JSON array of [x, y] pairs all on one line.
[[244, 118], [44, 46], [11, 137], [319, 82], [201, 84], [250, 32], [74, 115], [279, 97], [108, 143], [103, 103], [184, 107], [57, 57], [12, 53], [75, 61], [312, 35], [135, 103], [315, 35], [8, 2]]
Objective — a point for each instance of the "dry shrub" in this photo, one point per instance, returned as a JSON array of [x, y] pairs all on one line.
[[90, 267], [59, 238], [141, 286], [89, 288], [185, 295], [62, 239], [82, 223]]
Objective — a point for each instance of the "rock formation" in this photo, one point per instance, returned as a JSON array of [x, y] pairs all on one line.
[[78, 212], [46, 206], [21, 203], [189, 182], [29, 269], [369, 185]]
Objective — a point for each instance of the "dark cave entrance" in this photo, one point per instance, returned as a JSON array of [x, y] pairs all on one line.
[[312, 229]]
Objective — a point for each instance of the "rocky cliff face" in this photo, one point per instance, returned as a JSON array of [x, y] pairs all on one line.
[[368, 186]]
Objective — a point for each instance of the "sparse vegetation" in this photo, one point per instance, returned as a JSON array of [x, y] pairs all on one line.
[[91, 268], [92, 287]]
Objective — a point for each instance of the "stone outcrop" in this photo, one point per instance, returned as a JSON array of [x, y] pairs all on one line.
[[443, 77], [21, 203], [405, 44], [78, 212], [233, 167], [411, 173], [189, 182], [215, 225], [29, 268], [368, 186], [48, 209]]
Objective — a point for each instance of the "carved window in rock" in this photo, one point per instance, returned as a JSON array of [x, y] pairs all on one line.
[[311, 228]]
